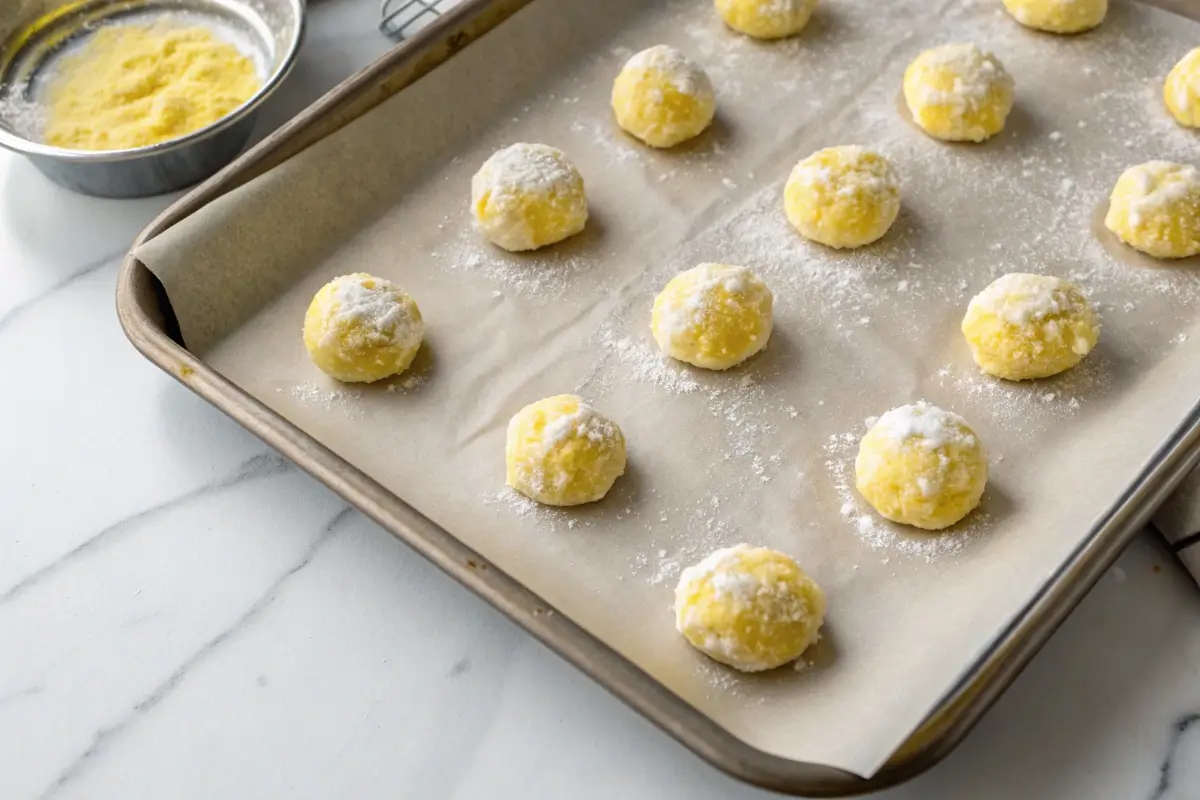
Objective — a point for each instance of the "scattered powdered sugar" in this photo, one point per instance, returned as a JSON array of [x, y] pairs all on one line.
[[330, 399], [542, 276], [1026, 409]]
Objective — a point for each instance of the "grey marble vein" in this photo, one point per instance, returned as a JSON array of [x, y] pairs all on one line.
[[263, 465], [1179, 730], [87, 269], [28, 691], [105, 736]]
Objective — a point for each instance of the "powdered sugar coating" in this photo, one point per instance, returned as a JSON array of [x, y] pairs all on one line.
[[925, 425], [683, 74]]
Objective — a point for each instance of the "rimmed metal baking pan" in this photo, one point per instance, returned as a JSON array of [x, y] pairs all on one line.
[[147, 318]]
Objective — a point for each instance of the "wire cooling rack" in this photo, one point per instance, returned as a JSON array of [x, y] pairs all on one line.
[[400, 19]]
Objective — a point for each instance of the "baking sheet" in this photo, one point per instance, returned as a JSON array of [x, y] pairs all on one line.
[[762, 453]]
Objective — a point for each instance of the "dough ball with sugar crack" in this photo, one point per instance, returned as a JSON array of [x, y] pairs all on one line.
[[713, 316], [921, 466], [562, 452], [1026, 326], [1155, 208], [842, 196], [958, 92], [360, 329], [749, 607], [663, 97], [766, 19], [528, 196]]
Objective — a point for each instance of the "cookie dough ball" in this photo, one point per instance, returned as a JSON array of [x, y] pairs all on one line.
[[713, 316], [749, 607], [360, 328], [527, 196], [562, 452], [766, 19], [1181, 91], [921, 466], [1155, 208], [1058, 16], [663, 97], [1029, 326], [958, 92], [842, 196]]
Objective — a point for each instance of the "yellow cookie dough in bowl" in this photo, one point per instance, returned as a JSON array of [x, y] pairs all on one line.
[[360, 329], [1058, 16], [1029, 326], [749, 607], [663, 97], [1181, 90], [842, 196], [921, 466], [562, 452], [958, 92], [766, 19], [713, 316], [528, 196], [1155, 208]]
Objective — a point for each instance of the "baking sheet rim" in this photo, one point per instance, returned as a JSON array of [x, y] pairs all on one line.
[[961, 707]]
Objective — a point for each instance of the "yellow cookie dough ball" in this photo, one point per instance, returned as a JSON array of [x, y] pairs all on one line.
[[921, 466], [527, 196], [713, 316], [749, 607], [842, 196], [1029, 326], [562, 452], [766, 19], [360, 328], [663, 97], [1155, 208], [1058, 16], [1181, 91], [958, 92]]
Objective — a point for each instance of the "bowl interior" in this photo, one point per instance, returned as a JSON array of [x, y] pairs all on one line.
[[43, 32]]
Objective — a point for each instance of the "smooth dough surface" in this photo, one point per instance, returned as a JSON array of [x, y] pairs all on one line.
[[766, 19], [562, 452], [958, 92], [1058, 16], [1155, 208], [360, 328], [1181, 90], [921, 466], [1029, 326], [527, 196], [842, 196], [663, 97], [713, 316], [749, 607]]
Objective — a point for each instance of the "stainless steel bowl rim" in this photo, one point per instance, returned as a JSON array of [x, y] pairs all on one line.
[[25, 147]]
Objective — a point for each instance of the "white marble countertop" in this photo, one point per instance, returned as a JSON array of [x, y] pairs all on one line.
[[183, 614]]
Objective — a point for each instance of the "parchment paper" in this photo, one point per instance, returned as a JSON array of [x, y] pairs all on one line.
[[761, 453]]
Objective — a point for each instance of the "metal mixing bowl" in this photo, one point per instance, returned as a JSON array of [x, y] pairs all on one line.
[[35, 33]]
